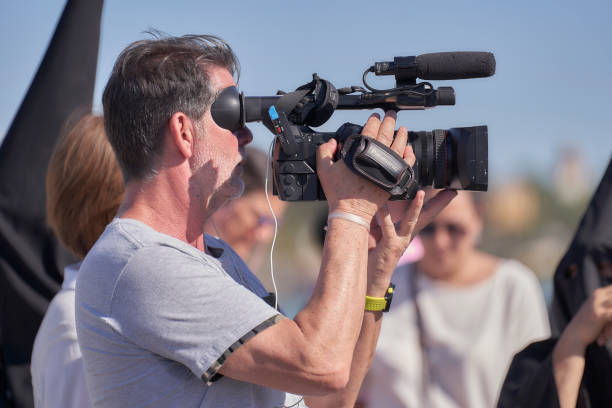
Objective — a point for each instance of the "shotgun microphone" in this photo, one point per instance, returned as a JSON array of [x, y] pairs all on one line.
[[440, 65]]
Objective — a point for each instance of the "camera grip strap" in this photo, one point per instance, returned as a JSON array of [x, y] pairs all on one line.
[[378, 163]]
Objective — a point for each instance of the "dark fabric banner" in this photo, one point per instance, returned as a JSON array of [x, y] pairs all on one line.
[[530, 381], [31, 259], [577, 275]]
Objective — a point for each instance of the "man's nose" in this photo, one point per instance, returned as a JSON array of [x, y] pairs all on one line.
[[244, 136]]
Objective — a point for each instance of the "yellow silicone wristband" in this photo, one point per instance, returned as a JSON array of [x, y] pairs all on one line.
[[375, 304]]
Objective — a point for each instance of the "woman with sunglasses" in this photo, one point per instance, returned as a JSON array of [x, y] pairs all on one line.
[[458, 317]]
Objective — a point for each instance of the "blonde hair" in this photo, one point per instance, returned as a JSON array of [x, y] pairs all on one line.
[[84, 185]]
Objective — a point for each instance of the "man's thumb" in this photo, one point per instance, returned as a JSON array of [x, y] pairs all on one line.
[[325, 154]]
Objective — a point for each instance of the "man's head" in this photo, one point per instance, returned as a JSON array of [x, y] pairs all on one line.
[[157, 115], [152, 80], [84, 185]]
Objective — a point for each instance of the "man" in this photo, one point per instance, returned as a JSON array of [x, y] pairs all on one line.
[[167, 316]]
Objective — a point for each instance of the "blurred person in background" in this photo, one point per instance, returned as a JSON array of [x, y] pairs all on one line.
[[574, 367], [458, 317], [246, 223], [84, 189]]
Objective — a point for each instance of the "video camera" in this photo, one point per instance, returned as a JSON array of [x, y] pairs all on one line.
[[455, 158]]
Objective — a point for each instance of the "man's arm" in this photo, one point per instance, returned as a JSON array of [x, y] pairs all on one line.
[[362, 358], [312, 354], [328, 347], [382, 260]]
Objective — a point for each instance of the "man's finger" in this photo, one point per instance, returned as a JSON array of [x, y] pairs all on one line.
[[433, 207], [371, 127], [383, 216], [411, 218], [387, 128], [325, 155], [399, 143], [409, 155]]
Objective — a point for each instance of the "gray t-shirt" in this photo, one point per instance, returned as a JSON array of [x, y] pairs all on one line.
[[156, 318]]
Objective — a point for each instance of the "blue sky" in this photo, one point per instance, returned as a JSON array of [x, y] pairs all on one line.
[[552, 89]]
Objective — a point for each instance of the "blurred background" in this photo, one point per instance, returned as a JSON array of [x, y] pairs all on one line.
[[547, 107]]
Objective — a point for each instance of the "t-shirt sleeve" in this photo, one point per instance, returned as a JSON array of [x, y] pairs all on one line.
[[186, 309]]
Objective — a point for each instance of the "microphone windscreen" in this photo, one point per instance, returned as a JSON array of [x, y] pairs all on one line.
[[455, 65]]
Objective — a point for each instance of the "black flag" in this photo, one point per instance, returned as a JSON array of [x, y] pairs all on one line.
[[31, 259], [530, 381]]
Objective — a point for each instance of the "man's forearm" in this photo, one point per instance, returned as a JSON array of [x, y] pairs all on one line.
[[362, 358], [333, 317]]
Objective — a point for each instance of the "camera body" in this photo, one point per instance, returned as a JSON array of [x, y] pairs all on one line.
[[295, 175], [453, 158]]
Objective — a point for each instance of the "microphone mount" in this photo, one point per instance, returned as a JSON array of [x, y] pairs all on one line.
[[404, 69]]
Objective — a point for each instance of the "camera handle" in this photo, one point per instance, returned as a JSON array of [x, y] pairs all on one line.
[[376, 162]]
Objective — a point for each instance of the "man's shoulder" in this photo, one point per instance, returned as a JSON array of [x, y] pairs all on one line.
[[127, 239], [128, 249], [136, 234], [155, 261]]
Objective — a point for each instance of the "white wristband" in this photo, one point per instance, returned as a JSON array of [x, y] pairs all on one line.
[[349, 217]]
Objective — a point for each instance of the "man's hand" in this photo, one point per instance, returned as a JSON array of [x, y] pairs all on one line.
[[346, 191], [388, 241]]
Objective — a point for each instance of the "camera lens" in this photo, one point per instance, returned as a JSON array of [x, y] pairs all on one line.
[[455, 158]]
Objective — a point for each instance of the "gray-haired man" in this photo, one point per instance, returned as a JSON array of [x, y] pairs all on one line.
[[167, 316]]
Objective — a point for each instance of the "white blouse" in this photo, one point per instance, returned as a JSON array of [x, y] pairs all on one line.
[[470, 336], [58, 377]]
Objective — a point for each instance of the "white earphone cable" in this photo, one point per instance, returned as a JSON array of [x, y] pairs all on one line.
[[275, 226]]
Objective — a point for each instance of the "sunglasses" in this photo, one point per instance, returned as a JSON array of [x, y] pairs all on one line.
[[454, 230]]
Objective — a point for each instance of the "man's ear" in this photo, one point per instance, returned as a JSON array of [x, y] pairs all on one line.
[[182, 134]]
